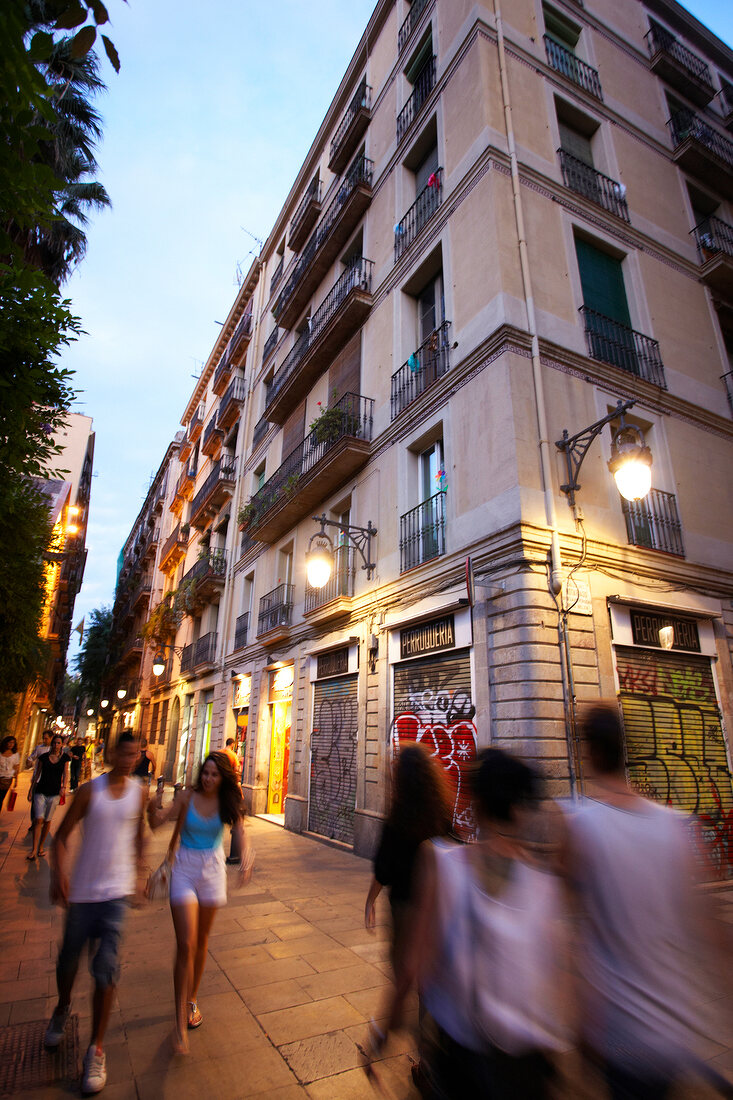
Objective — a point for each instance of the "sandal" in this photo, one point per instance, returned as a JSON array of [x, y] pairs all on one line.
[[195, 1019], [31, 858]]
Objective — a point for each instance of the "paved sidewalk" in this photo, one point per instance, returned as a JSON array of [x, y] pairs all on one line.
[[291, 981]]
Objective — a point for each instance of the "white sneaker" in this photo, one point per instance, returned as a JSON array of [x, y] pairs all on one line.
[[95, 1072], [56, 1028]]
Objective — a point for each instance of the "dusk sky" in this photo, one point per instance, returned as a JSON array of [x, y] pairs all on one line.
[[205, 129]]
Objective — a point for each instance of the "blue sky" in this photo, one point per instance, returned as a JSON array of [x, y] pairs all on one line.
[[206, 127]]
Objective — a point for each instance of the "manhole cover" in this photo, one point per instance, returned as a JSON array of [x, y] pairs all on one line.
[[25, 1064]]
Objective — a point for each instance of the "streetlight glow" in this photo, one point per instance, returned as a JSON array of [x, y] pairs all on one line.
[[121, 693], [631, 463], [90, 712], [319, 563], [104, 703], [158, 664]]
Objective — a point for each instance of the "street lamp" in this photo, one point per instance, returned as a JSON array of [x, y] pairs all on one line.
[[159, 658], [121, 693], [319, 557], [90, 712], [630, 462], [104, 703]]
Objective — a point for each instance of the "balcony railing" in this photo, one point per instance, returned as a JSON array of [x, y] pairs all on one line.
[[243, 331], [270, 344], [240, 631], [201, 652], [351, 417], [351, 127], [174, 547], [654, 522], [419, 214], [212, 432], [277, 274], [422, 533], [679, 65], [230, 403], [611, 342], [276, 608], [564, 61], [357, 275], [222, 373], [359, 175], [340, 584], [196, 423], [421, 89], [212, 563], [260, 430], [222, 475], [425, 366], [586, 181], [713, 236], [306, 214], [686, 124], [416, 9]]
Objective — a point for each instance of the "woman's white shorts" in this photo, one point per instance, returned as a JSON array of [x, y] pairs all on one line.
[[199, 875]]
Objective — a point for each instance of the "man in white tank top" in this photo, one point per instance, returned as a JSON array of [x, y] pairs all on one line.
[[642, 934], [106, 874]]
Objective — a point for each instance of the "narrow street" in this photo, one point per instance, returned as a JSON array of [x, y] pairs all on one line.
[[291, 982]]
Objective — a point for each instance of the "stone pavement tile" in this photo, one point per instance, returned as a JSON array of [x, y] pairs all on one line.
[[287, 1092], [22, 1012], [372, 1002], [345, 923], [216, 1038], [401, 1042], [265, 920], [304, 1021], [331, 958], [262, 908], [244, 955], [296, 928], [149, 1048], [11, 939], [119, 1066], [245, 937], [34, 968], [24, 991], [269, 998], [321, 1056], [315, 943], [347, 979], [375, 952], [242, 977], [358, 937], [235, 1077], [394, 1079], [40, 949], [724, 1062]]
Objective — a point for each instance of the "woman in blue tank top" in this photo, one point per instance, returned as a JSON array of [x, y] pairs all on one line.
[[198, 881]]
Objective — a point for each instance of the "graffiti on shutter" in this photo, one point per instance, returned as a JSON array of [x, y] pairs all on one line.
[[433, 705], [675, 744], [333, 759]]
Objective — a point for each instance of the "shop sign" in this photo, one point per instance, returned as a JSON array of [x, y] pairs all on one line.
[[242, 692], [335, 663], [281, 684], [428, 637], [646, 627]]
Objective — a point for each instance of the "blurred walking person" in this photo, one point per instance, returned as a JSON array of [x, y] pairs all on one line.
[[106, 874], [9, 765], [47, 789], [642, 934], [484, 948], [198, 882]]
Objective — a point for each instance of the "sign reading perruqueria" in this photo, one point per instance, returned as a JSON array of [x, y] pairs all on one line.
[[428, 637], [646, 628]]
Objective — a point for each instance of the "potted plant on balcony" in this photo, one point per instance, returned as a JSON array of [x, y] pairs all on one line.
[[333, 423], [185, 530], [246, 515], [162, 622]]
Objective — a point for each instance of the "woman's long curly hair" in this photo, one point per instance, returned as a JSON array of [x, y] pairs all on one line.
[[231, 805], [421, 799], [6, 742]]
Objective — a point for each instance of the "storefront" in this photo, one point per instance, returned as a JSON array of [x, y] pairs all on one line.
[[280, 700], [432, 698], [241, 697], [675, 743], [332, 791]]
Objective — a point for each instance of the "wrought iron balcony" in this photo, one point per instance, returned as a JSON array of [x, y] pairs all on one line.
[[246, 542], [702, 151], [419, 214], [726, 103], [328, 456], [340, 586], [277, 273], [240, 631], [424, 367], [421, 89], [621, 346], [422, 533], [270, 344], [241, 336], [174, 548], [196, 423], [260, 430], [209, 572], [339, 316], [199, 654], [305, 216], [351, 128], [160, 492], [678, 65], [217, 488], [222, 374], [185, 447], [416, 9], [231, 403], [353, 195], [212, 438], [276, 609], [586, 181], [564, 61], [714, 240], [185, 483], [654, 522]]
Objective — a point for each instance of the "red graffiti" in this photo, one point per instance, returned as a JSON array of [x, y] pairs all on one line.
[[719, 845], [454, 745]]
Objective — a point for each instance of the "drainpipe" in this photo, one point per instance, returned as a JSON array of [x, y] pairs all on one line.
[[555, 579]]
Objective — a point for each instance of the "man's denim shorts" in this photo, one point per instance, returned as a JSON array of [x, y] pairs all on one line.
[[44, 806], [100, 924]]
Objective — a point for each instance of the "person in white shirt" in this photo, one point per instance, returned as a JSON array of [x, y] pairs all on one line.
[[9, 764]]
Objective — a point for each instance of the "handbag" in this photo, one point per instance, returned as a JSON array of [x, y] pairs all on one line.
[[158, 886], [12, 799]]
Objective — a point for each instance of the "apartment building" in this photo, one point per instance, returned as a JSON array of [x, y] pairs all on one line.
[[508, 252]]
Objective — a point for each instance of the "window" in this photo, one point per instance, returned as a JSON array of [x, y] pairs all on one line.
[[605, 308], [560, 29], [285, 565], [430, 308], [422, 529], [258, 478], [163, 722]]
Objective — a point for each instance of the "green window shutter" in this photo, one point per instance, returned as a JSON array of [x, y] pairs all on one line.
[[602, 281]]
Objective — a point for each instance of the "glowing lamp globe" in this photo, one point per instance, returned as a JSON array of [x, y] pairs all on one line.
[[319, 563], [158, 665], [631, 463], [121, 693]]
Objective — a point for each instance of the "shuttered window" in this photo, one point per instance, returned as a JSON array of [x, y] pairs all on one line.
[[163, 721], [344, 374], [433, 704], [675, 744], [332, 798], [602, 280]]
